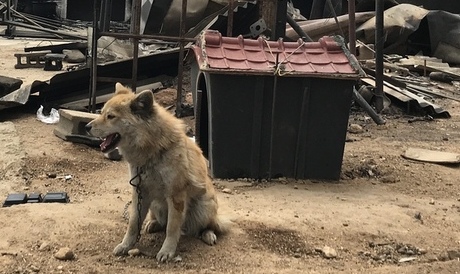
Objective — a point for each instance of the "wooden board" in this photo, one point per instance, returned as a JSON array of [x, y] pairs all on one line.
[[432, 156]]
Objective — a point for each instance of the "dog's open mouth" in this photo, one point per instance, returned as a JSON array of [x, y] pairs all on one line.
[[110, 142]]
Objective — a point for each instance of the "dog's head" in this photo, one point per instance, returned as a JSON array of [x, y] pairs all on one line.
[[121, 115]]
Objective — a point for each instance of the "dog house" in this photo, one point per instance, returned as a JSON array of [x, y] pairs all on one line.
[[268, 109]]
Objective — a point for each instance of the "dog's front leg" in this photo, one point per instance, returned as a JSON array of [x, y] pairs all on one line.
[[176, 214], [130, 238]]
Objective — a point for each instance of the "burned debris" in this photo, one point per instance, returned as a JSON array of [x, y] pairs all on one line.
[[148, 45]]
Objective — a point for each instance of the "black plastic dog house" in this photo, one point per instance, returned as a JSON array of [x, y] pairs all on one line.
[[268, 109]]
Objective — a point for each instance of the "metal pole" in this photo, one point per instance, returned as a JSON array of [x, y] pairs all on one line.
[[61, 33], [93, 71], [147, 36], [198, 103], [362, 102], [180, 70], [379, 40], [272, 119], [135, 29], [352, 26], [298, 29], [9, 28], [230, 18], [331, 7], [280, 24]]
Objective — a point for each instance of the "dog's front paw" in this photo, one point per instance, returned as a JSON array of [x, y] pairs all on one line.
[[165, 254], [121, 250]]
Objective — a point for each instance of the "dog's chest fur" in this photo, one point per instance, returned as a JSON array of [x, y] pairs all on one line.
[[155, 178]]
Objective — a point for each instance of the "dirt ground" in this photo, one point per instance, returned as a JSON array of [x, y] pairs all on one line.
[[386, 215]]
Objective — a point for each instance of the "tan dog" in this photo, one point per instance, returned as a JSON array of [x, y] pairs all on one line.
[[167, 169]]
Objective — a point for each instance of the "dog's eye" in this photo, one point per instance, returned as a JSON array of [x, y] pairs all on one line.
[[110, 116]]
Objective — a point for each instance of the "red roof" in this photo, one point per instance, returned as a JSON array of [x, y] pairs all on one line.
[[236, 54]]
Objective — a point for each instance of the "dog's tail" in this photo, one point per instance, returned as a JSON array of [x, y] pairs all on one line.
[[221, 224]]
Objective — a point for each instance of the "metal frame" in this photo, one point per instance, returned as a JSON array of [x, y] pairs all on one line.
[[100, 28]]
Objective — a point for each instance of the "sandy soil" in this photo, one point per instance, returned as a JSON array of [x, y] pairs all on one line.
[[384, 209]]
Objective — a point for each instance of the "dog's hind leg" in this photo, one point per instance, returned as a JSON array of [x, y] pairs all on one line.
[[135, 218], [153, 226], [177, 207], [208, 236], [158, 215]]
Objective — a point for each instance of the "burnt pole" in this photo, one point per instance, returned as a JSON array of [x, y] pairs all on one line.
[[379, 40]]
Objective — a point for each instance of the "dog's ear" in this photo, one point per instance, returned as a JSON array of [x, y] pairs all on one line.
[[142, 105], [120, 89]]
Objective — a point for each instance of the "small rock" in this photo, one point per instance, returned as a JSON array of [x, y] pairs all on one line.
[[60, 267], [422, 251], [453, 254], [402, 250], [34, 268], [443, 257], [68, 177], [432, 258], [74, 56], [45, 246], [177, 259], [297, 255], [345, 224], [407, 259], [64, 253], [134, 252], [227, 191], [120, 259], [296, 187], [329, 252], [26, 188], [51, 175], [431, 202], [355, 128], [410, 252], [388, 179]]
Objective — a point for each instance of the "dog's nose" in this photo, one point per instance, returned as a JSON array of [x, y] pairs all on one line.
[[88, 127]]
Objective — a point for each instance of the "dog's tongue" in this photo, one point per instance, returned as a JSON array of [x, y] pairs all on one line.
[[107, 141]]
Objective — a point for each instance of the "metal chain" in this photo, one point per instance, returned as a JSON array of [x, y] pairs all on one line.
[[125, 214], [139, 200]]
